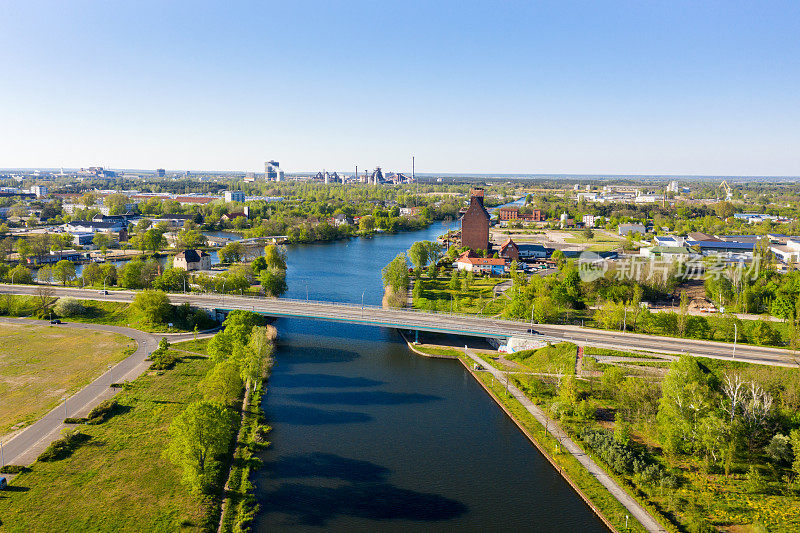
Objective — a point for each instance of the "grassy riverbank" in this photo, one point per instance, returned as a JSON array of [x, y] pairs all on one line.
[[587, 486], [119, 480], [735, 475]]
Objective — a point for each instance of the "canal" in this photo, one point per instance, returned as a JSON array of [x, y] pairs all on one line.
[[368, 436]]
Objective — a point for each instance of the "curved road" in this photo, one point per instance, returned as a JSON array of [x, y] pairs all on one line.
[[24, 447]]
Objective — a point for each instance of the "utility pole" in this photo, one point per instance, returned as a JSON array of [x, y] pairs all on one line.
[[735, 336]]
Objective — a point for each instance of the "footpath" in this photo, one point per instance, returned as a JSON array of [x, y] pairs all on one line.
[[636, 510], [24, 447]]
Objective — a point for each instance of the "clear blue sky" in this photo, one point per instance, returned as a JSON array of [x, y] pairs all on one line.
[[508, 87]]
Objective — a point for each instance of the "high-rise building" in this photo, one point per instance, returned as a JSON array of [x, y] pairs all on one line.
[[160, 172], [40, 191], [273, 171]]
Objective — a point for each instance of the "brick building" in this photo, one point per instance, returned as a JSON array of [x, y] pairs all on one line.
[[475, 223], [512, 213]]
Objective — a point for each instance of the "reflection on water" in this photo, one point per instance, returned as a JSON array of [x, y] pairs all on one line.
[[369, 437]]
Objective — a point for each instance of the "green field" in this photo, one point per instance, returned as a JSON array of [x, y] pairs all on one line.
[[477, 299], [118, 480], [41, 364], [555, 359]]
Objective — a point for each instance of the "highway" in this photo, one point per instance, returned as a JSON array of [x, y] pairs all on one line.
[[469, 325]]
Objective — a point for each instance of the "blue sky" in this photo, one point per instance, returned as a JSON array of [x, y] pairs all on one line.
[[506, 87]]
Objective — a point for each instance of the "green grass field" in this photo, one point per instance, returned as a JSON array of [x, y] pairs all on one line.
[[41, 364], [477, 299], [119, 480], [553, 359]]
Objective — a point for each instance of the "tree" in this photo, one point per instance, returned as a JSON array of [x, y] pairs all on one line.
[[433, 270], [20, 274], [92, 274], [724, 210], [558, 257], [683, 316], [273, 281], [172, 279], [275, 257], [233, 252], [454, 284], [222, 383], [154, 306], [68, 307], [685, 400], [101, 241], [395, 274], [418, 254], [45, 274], [366, 224], [64, 271], [153, 240], [197, 436]]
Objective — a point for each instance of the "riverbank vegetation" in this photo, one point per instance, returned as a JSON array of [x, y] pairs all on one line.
[[702, 443], [165, 448]]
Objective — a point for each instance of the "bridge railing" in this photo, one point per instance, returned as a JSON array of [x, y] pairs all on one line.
[[350, 305]]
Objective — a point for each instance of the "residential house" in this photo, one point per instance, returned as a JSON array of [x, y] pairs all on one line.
[[480, 265], [192, 260]]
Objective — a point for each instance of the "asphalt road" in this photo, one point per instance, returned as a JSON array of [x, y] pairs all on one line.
[[470, 325], [26, 445]]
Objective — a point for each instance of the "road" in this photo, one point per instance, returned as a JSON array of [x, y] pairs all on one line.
[[25, 446], [469, 325], [552, 427]]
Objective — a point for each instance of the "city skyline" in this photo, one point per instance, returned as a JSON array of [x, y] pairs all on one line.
[[595, 88]]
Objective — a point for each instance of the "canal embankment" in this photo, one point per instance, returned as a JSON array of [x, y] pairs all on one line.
[[616, 507]]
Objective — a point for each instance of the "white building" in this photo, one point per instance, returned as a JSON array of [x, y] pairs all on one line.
[[234, 196], [40, 191]]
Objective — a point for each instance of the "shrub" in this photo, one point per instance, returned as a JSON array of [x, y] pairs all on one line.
[[75, 420], [64, 446], [103, 411], [14, 469], [69, 307], [163, 359]]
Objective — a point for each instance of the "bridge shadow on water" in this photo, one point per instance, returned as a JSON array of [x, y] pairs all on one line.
[[363, 398], [365, 493], [298, 355]]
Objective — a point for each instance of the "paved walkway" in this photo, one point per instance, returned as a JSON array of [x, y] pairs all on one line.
[[24, 447], [636, 510]]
